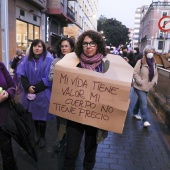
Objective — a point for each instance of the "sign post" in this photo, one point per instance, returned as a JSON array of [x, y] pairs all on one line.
[[164, 26]]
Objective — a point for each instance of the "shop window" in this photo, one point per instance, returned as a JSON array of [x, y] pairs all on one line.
[[36, 32], [21, 35], [22, 12], [26, 33], [30, 32], [160, 45]]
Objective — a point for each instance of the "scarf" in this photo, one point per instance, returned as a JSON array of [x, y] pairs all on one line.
[[151, 69], [90, 63]]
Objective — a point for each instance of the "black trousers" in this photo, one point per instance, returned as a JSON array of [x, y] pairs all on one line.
[[6, 151], [75, 133]]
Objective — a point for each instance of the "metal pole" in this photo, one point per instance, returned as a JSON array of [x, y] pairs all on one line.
[[5, 33], [163, 43]]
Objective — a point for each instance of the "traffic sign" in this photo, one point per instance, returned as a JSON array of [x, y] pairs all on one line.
[[164, 24]]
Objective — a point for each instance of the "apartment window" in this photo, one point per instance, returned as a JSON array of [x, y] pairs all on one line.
[[22, 12], [35, 18], [160, 45], [164, 14]]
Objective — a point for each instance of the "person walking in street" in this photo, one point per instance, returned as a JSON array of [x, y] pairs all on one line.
[[64, 46], [137, 54], [145, 77], [34, 71], [7, 92], [17, 59], [90, 49]]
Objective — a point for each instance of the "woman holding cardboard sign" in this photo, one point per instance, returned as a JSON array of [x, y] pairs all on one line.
[[90, 49], [64, 46]]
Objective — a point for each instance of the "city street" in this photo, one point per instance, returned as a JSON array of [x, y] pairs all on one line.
[[137, 148]]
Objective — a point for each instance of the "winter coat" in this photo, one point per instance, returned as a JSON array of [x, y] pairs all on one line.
[[101, 134], [36, 72], [7, 84], [141, 76]]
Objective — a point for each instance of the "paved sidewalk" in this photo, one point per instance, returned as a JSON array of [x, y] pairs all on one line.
[[137, 148]]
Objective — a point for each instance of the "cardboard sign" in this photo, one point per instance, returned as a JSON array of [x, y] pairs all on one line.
[[71, 31], [88, 97]]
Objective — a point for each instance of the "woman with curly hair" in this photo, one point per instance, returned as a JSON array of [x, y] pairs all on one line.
[[90, 49]]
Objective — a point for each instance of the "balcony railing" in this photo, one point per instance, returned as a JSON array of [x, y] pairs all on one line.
[[154, 4]]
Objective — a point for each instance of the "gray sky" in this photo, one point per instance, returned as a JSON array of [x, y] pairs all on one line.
[[122, 10]]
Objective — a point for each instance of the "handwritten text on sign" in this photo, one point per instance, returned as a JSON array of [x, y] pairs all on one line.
[[74, 90], [88, 97]]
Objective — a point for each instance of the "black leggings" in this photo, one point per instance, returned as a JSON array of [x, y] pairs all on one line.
[[6, 151], [40, 127], [75, 133]]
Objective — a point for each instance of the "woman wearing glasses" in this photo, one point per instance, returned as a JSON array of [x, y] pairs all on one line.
[[65, 46], [90, 49]]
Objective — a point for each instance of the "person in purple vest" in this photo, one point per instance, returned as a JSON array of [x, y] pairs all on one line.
[[17, 59], [7, 92], [34, 70]]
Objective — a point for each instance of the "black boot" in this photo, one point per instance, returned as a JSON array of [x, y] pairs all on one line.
[[37, 131], [42, 133], [42, 142]]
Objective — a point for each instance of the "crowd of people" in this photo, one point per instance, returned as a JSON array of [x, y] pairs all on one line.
[[33, 80]]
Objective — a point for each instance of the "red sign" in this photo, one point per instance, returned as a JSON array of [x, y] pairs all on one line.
[[164, 24]]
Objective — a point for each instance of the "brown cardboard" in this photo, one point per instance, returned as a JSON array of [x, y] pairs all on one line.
[[71, 31], [97, 99]]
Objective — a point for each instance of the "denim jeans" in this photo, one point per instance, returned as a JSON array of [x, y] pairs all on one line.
[[141, 103]]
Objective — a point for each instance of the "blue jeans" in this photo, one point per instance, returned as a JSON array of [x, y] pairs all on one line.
[[141, 104]]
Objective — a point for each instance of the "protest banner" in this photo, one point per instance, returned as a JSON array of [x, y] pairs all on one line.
[[88, 97], [71, 31]]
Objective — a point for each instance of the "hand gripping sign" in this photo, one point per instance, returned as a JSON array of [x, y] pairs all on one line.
[[88, 97]]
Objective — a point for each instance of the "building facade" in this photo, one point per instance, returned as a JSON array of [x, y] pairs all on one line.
[[138, 16], [45, 19], [149, 32]]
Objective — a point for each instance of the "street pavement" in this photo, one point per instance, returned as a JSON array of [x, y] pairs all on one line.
[[137, 148]]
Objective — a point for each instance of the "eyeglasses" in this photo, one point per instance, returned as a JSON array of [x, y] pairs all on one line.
[[91, 44], [66, 46]]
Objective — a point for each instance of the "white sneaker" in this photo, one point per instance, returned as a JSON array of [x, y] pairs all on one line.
[[146, 124], [137, 117]]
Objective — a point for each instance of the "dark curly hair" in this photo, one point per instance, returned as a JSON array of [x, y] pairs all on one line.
[[58, 47], [96, 37], [34, 43]]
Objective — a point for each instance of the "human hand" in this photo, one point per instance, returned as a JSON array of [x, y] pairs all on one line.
[[3, 96], [126, 59], [31, 89]]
